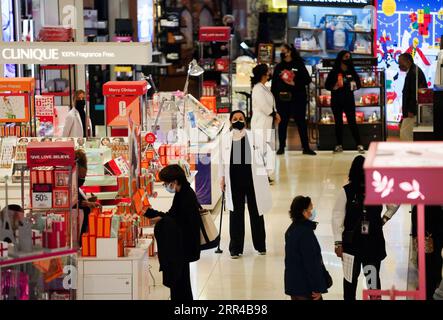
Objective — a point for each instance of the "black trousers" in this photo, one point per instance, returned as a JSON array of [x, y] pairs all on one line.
[[350, 116], [297, 109], [181, 290], [237, 220], [350, 289]]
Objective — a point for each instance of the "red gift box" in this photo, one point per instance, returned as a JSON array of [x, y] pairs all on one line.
[[222, 65], [425, 95], [3, 249], [287, 75], [100, 226], [60, 198], [85, 245], [37, 238], [41, 177], [92, 246], [54, 239], [107, 226], [92, 224]]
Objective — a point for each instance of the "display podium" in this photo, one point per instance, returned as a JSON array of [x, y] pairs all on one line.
[[405, 173]]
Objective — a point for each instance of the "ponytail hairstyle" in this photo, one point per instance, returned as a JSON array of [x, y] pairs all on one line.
[[258, 72], [298, 206]]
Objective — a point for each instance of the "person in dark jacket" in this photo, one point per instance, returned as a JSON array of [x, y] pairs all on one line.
[[185, 211], [342, 81], [304, 270], [434, 232], [291, 96], [358, 230], [409, 99]]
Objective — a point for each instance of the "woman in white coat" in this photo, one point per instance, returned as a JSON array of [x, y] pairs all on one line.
[[264, 113], [76, 118], [243, 172]]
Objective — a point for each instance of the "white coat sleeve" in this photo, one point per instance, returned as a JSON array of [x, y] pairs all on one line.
[[221, 166], [260, 102], [69, 123], [338, 216]]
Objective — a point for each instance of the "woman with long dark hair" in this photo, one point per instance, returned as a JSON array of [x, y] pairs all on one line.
[[342, 81], [358, 230], [289, 88], [305, 275]]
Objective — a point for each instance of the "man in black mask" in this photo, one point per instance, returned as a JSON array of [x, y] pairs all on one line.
[[409, 101]]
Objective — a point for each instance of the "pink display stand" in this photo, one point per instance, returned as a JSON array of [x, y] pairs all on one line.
[[405, 173]]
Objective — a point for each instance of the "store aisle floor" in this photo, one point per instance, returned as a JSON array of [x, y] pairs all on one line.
[[261, 277]]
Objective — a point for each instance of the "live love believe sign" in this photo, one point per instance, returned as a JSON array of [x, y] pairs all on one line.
[[50, 154], [332, 3]]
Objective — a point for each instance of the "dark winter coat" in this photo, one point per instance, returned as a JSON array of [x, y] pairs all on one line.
[[304, 269], [344, 96]]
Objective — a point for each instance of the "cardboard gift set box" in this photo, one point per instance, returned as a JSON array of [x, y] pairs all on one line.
[[53, 187]]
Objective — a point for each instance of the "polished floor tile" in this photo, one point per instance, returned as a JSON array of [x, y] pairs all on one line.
[[262, 277]]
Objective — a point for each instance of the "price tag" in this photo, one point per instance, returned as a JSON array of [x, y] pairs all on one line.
[[42, 196]]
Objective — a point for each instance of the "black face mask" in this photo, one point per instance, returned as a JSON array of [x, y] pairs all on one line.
[[81, 182], [347, 63], [282, 56], [239, 125], [80, 104]]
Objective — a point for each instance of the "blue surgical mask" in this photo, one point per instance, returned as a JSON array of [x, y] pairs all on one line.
[[313, 215], [170, 189]]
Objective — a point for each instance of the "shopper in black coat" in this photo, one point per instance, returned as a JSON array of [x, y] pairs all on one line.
[[305, 275], [409, 97], [342, 81], [434, 260], [358, 230], [291, 96], [185, 210]]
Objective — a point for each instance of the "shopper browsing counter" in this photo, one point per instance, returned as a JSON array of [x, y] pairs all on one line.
[[178, 233], [75, 124]]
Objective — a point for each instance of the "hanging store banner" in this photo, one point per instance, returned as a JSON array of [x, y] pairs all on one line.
[[63, 53], [332, 3]]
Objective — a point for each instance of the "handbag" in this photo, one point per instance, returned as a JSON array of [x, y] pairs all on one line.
[[209, 235], [285, 96]]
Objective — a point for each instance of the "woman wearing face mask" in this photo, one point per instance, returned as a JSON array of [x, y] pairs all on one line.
[[85, 203], [263, 105], [185, 215], [358, 230], [305, 275], [243, 170], [75, 123], [342, 81], [289, 88]]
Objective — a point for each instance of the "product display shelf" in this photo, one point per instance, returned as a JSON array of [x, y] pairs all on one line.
[[43, 253], [370, 129], [60, 87], [332, 26], [223, 76], [37, 256]]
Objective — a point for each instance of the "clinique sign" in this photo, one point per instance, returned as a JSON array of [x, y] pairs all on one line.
[[37, 54], [50, 54], [75, 53]]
